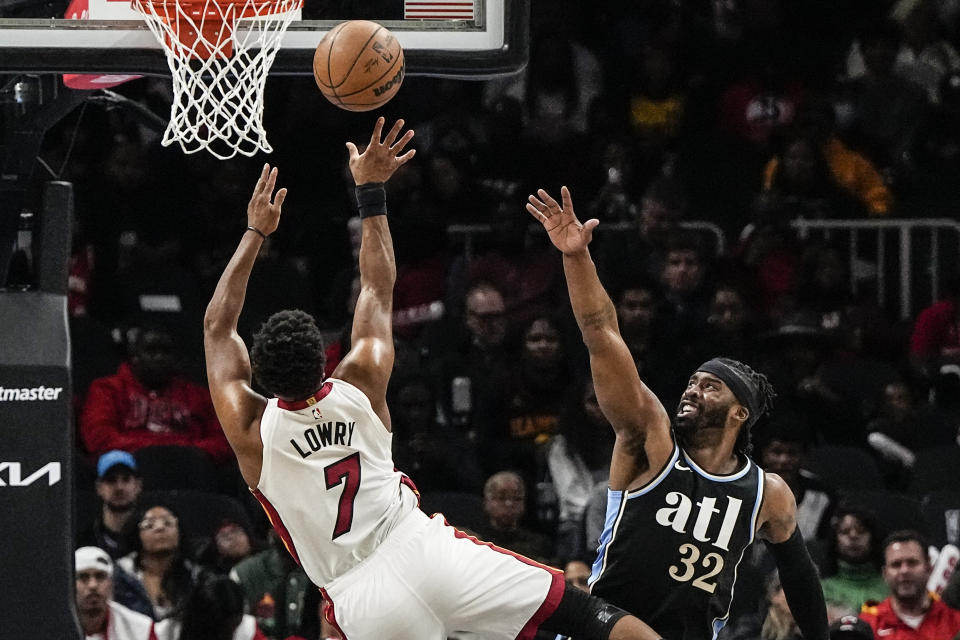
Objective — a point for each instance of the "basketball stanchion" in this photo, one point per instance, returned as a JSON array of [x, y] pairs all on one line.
[[219, 53]]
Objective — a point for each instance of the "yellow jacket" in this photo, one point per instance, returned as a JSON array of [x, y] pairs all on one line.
[[852, 171]]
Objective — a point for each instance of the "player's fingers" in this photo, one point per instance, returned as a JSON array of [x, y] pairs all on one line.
[[548, 200], [567, 199], [263, 177], [280, 197], [405, 157], [536, 213], [393, 133], [270, 182], [589, 226], [377, 131], [352, 150], [404, 141], [536, 203]]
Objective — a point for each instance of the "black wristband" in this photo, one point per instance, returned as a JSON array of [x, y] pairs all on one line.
[[257, 231], [371, 199]]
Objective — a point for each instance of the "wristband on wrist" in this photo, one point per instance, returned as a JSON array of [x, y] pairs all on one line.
[[257, 231], [371, 199]]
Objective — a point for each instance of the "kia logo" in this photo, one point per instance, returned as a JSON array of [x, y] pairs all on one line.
[[11, 475]]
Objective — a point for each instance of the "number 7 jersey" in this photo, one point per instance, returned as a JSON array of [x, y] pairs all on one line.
[[669, 550], [328, 483]]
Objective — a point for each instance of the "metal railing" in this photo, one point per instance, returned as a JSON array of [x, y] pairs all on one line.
[[913, 236], [916, 243]]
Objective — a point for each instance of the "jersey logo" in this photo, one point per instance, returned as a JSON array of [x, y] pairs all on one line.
[[316, 414], [696, 564], [680, 508], [680, 467]]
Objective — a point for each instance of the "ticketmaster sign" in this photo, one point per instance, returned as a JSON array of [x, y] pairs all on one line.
[[27, 394], [36, 464]]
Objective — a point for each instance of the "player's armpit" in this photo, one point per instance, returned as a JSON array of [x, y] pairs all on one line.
[[642, 426], [367, 366]]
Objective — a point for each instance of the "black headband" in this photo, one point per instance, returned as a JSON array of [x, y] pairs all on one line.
[[740, 384]]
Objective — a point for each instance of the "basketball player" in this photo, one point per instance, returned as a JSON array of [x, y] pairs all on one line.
[[683, 502], [317, 456]]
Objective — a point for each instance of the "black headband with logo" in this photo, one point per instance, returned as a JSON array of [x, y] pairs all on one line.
[[740, 384]]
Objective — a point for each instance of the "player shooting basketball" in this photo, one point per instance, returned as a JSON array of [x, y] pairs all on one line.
[[318, 457], [684, 501]]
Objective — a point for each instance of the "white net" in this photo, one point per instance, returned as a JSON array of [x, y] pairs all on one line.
[[219, 64]]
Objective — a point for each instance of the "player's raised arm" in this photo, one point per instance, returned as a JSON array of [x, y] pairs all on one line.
[[370, 360], [641, 423], [238, 406], [798, 574]]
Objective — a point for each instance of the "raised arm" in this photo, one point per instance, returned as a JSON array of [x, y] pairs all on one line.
[[370, 361], [238, 406], [798, 574], [642, 426]]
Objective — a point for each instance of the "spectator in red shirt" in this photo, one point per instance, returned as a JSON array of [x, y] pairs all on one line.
[[910, 612], [148, 403], [936, 333]]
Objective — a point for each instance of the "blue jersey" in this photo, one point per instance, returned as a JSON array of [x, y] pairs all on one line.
[[669, 551]]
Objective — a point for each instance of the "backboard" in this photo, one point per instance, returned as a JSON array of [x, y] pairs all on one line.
[[443, 38]]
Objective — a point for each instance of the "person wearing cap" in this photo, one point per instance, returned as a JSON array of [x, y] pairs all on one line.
[[910, 612], [119, 487], [685, 500], [100, 617]]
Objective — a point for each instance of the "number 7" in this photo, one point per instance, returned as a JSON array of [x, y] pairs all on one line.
[[347, 471]]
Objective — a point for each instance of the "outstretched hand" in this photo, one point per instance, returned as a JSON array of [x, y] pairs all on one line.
[[380, 159], [263, 210], [565, 231]]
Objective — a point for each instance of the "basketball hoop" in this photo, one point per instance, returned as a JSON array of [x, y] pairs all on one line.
[[219, 66]]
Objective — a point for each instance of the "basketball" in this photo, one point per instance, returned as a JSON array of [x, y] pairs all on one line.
[[358, 65]]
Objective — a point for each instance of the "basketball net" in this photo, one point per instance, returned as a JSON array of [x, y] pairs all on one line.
[[219, 69]]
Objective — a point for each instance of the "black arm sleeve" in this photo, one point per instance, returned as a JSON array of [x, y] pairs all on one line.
[[801, 586]]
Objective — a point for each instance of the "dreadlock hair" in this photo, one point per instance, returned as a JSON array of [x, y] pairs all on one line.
[[288, 355], [765, 397]]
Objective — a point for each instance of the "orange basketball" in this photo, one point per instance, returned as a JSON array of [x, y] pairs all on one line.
[[358, 65]]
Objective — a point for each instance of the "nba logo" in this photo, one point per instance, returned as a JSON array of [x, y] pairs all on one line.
[[316, 414]]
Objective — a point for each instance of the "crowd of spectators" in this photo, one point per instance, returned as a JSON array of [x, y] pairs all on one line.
[[743, 114]]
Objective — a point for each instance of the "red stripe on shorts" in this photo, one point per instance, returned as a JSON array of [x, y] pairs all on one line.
[[550, 604], [330, 614], [405, 479], [554, 593], [277, 523]]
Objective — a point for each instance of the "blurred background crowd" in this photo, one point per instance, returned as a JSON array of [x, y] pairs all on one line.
[[704, 134]]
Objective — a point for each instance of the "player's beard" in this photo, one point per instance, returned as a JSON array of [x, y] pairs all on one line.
[[692, 430]]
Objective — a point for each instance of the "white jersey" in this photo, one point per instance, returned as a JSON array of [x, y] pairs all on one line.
[[328, 482]]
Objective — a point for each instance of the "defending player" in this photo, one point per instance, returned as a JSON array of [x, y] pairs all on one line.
[[318, 457], [683, 502]]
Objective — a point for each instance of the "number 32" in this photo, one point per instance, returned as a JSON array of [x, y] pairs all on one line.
[[712, 562]]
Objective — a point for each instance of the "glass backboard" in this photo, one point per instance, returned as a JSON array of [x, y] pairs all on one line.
[[446, 38]]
